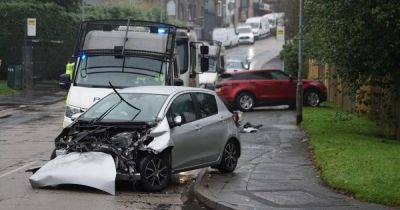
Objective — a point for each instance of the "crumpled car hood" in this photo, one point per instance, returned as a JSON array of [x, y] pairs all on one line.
[[93, 169]]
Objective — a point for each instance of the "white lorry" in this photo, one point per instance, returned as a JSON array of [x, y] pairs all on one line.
[[127, 54], [260, 26]]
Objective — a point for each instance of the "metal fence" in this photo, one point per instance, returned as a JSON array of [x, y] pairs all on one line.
[[380, 105]]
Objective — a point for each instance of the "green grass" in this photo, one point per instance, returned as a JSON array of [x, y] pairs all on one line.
[[352, 156], [4, 90]]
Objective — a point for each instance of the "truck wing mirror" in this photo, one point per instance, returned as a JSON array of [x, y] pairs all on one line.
[[204, 50], [204, 64]]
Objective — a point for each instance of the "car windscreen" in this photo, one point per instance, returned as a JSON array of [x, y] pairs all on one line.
[[244, 30], [112, 108], [98, 71]]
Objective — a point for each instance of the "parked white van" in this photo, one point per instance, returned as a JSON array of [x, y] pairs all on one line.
[[272, 19], [227, 36], [260, 26]]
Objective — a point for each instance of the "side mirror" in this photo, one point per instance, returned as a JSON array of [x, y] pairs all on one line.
[[177, 121], [204, 50], [178, 82], [204, 64], [64, 81]]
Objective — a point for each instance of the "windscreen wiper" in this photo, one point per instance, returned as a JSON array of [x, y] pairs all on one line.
[[122, 99], [125, 40]]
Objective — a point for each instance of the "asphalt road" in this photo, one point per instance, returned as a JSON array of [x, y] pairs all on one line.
[[259, 53], [27, 139]]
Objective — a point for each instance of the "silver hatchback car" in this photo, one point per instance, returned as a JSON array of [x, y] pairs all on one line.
[[150, 132]]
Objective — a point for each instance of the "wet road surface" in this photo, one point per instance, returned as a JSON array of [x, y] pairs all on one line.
[[27, 139]]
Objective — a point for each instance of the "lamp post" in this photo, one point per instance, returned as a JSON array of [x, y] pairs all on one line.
[[299, 98]]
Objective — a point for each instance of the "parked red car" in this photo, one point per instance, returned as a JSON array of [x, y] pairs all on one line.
[[247, 89]]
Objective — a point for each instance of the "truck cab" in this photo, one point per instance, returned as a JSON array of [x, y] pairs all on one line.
[[126, 54]]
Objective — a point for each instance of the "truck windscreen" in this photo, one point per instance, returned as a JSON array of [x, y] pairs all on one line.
[[97, 71]]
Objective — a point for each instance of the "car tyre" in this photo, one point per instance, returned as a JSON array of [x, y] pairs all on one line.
[[245, 101], [155, 172], [312, 98], [230, 157]]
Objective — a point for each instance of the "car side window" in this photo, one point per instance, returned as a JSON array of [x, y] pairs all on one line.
[[247, 76], [278, 75], [182, 106], [207, 104]]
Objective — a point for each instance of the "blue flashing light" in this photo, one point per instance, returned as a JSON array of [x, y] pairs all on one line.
[[161, 30], [83, 56]]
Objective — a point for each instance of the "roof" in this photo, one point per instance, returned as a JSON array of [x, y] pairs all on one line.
[[252, 71], [164, 90]]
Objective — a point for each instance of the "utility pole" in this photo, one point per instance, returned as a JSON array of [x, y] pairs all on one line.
[[299, 98], [161, 10], [83, 10]]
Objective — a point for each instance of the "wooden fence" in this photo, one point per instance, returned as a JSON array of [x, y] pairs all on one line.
[[380, 103]]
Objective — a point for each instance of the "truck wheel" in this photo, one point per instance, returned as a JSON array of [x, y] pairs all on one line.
[[155, 172]]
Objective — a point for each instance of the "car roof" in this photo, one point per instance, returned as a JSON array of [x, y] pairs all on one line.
[[163, 90], [253, 71]]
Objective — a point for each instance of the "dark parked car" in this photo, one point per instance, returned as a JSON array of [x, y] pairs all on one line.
[[248, 89]]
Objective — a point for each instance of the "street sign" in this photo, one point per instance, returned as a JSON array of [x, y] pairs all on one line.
[[280, 33], [31, 27], [171, 8]]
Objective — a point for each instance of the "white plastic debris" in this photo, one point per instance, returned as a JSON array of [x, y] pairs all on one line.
[[93, 169]]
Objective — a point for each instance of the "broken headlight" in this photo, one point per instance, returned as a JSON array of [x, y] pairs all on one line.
[[71, 110]]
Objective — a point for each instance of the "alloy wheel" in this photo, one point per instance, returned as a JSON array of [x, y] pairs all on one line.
[[313, 98], [230, 155], [246, 102], [155, 172]]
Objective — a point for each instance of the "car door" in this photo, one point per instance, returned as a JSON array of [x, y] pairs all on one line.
[[210, 128], [266, 86], [286, 85], [185, 152]]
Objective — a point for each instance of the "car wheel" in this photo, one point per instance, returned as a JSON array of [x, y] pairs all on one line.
[[245, 101], [312, 98], [155, 172], [230, 157]]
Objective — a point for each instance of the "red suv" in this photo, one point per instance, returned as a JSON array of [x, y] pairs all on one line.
[[248, 89]]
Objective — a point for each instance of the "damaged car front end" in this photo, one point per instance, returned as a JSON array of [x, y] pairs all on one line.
[[113, 129]]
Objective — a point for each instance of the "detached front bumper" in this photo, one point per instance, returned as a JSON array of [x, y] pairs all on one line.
[[92, 169]]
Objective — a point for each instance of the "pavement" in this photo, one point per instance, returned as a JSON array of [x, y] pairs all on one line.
[[42, 94], [275, 171]]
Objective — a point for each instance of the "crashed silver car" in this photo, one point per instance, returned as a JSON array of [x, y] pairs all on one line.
[[144, 134]]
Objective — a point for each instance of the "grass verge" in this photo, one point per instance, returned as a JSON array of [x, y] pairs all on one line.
[[352, 156], [4, 90]]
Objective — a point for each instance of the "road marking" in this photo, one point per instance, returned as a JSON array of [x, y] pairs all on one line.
[[17, 169]]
